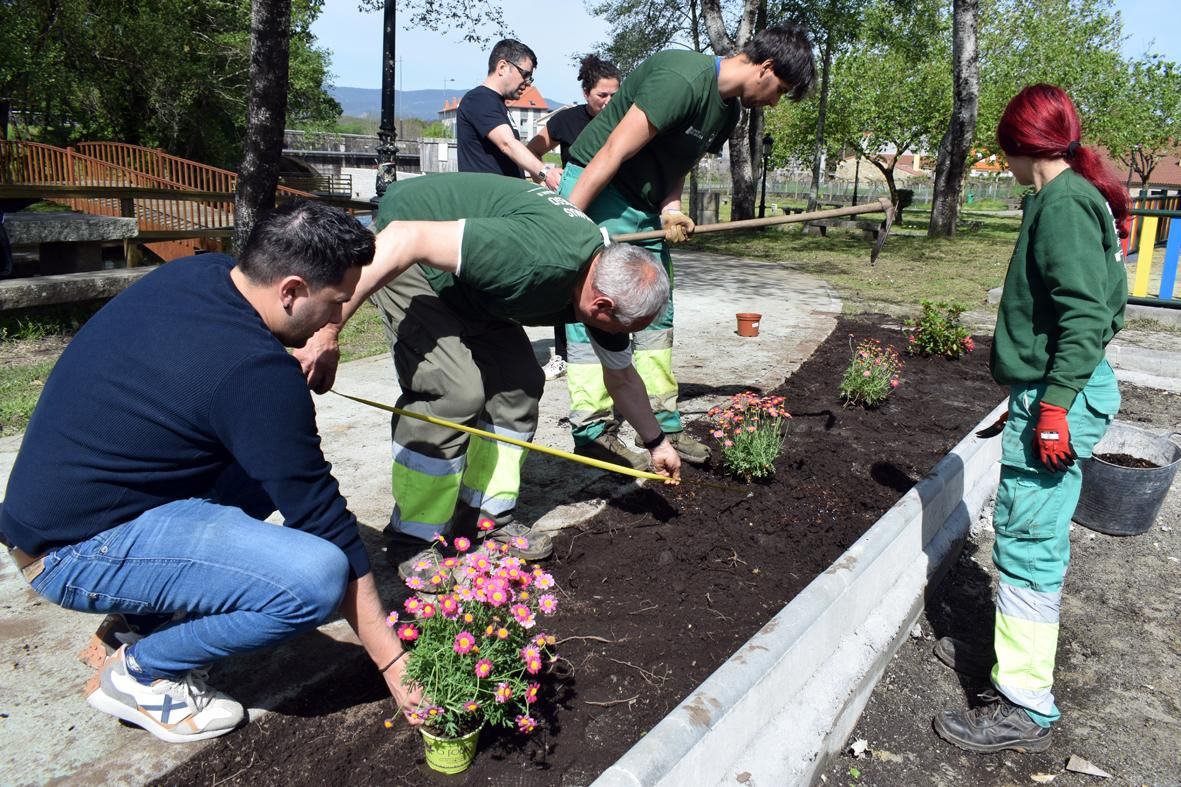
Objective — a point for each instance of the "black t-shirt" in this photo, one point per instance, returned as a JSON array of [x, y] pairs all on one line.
[[481, 110], [565, 126]]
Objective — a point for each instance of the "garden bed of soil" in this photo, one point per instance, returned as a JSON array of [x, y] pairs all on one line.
[[658, 590]]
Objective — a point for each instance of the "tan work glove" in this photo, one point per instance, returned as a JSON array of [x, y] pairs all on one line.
[[677, 226]]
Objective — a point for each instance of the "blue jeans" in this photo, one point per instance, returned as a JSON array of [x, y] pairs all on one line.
[[229, 582]]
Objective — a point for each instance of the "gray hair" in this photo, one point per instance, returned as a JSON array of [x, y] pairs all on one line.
[[634, 280]]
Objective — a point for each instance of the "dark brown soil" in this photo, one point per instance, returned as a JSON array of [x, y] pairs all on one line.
[[1126, 460], [659, 590]]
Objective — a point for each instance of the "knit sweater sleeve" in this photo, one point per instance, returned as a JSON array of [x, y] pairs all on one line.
[[1068, 250], [263, 414]]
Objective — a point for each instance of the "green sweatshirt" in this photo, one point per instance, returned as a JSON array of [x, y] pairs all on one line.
[[1065, 291]]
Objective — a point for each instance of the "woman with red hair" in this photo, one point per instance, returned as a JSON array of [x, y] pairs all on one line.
[[1063, 301]]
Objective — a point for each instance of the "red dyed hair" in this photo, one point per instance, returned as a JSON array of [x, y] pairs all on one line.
[[1041, 122]]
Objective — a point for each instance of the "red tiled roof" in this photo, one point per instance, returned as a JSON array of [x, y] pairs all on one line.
[[1167, 172]]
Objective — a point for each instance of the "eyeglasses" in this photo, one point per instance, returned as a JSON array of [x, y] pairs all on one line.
[[525, 75]]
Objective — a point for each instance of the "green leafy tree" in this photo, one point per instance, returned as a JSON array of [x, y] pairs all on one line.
[[171, 74], [1143, 125]]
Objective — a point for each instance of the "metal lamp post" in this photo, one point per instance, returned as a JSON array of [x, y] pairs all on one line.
[[387, 148], [768, 142]]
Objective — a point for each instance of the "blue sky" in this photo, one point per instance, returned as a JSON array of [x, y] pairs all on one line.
[[442, 60]]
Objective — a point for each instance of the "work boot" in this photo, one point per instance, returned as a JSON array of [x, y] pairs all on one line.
[[527, 543], [966, 659], [690, 450], [174, 710], [412, 556], [607, 447], [995, 726]]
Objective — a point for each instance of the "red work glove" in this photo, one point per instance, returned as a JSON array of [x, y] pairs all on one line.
[[1052, 438], [995, 428]]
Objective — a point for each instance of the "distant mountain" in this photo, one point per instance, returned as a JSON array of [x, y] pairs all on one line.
[[423, 104]]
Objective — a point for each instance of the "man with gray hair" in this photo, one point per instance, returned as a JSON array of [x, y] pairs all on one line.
[[463, 261]]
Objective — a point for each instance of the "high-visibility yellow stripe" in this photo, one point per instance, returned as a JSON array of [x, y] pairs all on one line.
[[493, 474], [1144, 256], [429, 499], [1025, 661]]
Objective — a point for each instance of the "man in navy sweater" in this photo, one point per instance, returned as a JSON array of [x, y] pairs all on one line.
[[174, 423]]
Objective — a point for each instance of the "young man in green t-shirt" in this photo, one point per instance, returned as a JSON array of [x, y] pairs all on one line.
[[463, 261], [627, 171]]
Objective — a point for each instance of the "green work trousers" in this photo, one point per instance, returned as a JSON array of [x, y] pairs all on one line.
[[1032, 550], [479, 373]]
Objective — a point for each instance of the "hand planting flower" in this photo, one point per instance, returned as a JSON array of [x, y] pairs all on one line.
[[872, 374], [475, 646], [938, 331], [751, 430]]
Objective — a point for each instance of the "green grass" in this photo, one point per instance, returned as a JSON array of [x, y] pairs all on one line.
[[911, 266], [19, 388], [364, 335]]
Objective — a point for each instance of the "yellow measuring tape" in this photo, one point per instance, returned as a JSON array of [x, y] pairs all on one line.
[[430, 419]]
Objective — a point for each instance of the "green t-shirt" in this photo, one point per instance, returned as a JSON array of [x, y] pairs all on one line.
[[1065, 291], [678, 91], [523, 246]]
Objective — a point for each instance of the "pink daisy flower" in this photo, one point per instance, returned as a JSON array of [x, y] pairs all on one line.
[[526, 724], [483, 668], [412, 605], [548, 604], [464, 642], [533, 666], [520, 542], [523, 615], [407, 632], [529, 652], [450, 562], [414, 582], [392, 619], [544, 581], [471, 706], [438, 538], [485, 524], [462, 544], [504, 692], [449, 606], [428, 610], [502, 633], [531, 693]]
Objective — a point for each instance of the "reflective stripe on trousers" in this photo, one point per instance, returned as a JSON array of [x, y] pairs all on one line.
[[479, 373], [591, 408], [1032, 550]]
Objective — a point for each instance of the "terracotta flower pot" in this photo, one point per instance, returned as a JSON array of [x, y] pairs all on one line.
[[748, 323], [450, 755]]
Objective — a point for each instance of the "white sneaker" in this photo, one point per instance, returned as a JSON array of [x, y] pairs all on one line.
[[554, 368], [176, 711]]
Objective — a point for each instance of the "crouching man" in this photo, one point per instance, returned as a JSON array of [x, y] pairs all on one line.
[[174, 423]]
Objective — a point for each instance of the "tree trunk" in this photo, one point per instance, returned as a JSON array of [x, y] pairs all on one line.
[[957, 141], [742, 181], [266, 108], [822, 110], [742, 204]]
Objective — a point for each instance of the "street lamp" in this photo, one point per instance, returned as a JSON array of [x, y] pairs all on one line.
[[768, 142], [387, 148], [445, 81]]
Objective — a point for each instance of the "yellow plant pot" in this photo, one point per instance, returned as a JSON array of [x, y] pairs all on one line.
[[450, 755]]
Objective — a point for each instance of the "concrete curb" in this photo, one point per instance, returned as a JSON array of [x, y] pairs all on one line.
[[789, 697]]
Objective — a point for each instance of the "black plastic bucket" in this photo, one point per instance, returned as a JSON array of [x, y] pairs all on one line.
[[1124, 501]]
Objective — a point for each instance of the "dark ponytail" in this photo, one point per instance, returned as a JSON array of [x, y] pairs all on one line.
[[1041, 122], [592, 68]]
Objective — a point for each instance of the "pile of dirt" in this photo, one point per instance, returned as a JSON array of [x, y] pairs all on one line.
[[658, 590]]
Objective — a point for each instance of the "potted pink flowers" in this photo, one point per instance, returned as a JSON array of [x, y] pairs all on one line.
[[477, 647]]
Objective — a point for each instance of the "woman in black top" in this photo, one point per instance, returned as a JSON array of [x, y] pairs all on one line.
[[600, 81]]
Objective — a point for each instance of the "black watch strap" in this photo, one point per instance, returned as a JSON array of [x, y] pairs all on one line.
[[655, 441]]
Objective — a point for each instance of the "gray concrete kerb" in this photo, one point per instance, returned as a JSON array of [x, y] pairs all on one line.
[[58, 737]]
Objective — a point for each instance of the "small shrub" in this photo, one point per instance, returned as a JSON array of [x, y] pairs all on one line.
[[751, 432], [939, 332], [872, 374]]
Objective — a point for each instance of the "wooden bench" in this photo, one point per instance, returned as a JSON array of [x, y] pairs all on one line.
[[66, 242], [868, 229]]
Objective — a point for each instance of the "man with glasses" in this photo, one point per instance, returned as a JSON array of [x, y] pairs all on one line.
[[627, 171], [488, 141]]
